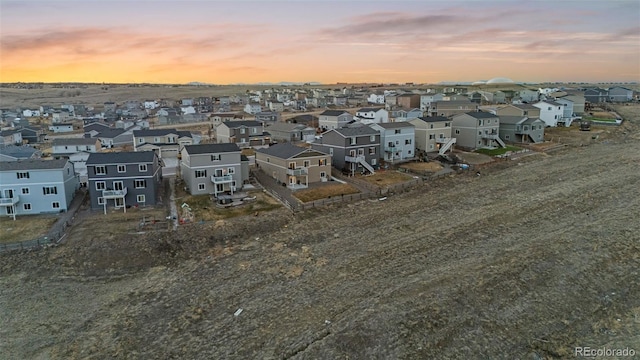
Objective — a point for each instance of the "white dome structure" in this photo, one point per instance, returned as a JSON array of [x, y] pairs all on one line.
[[500, 80]]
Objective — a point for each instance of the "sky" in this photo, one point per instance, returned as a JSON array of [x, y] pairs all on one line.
[[226, 42]]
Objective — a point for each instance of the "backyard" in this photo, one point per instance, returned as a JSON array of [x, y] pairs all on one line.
[[25, 227], [498, 151], [383, 178], [324, 192], [203, 208]]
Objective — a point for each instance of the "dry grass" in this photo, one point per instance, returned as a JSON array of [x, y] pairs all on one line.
[[25, 227], [324, 192], [603, 115], [420, 167], [204, 209], [386, 178], [100, 225], [248, 152]]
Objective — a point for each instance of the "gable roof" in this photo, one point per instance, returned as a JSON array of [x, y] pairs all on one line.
[[367, 109], [18, 152], [211, 148], [334, 112], [481, 115], [286, 151], [550, 102], [160, 132], [433, 118], [356, 131], [125, 157], [240, 123], [280, 126], [394, 125], [511, 120], [110, 133], [74, 141], [32, 164]]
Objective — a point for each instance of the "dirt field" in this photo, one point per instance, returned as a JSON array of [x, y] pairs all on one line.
[[533, 258]]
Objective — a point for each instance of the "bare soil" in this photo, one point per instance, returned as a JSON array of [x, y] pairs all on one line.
[[535, 257], [420, 167]]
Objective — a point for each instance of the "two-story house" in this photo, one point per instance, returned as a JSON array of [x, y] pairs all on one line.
[[11, 137], [32, 134], [476, 129], [287, 132], [128, 178], [353, 149], [372, 115], [295, 166], [521, 129], [213, 168], [518, 110], [253, 108], [550, 112], [245, 133], [426, 101], [408, 101], [61, 127], [433, 134], [36, 186], [405, 115], [166, 142], [453, 107], [268, 116], [397, 139], [620, 94], [77, 150], [334, 119], [276, 106]]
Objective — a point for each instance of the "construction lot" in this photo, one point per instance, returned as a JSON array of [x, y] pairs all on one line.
[[531, 259]]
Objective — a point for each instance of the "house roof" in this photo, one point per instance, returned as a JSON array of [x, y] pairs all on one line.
[[240, 123], [511, 120], [398, 124], [18, 152], [286, 151], [367, 109], [32, 164], [531, 121], [481, 115], [9, 132], [550, 102], [160, 132], [356, 131], [74, 141], [525, 106], [125, 157], [333, 112], [63, 124], [280, 126], [433, 118], [110, 133], [211, 148]]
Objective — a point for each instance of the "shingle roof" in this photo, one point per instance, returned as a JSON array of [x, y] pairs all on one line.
[[74, 141], [283, 151], [434, 118], [279, 126], [481, 115], [511, 120], [211, 148], [240, 123], [9, 132], [18, 152], [125, 157], [110, 133], [398, 124], [356, 131], [333, 112], [550, 102], [32, 164], [63, 124], [367, 109]]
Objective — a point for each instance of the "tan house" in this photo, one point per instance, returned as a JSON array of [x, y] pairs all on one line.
[[527, 110], [453, 107], [477, 130], [293, 165], [433, 134], [408, 101]]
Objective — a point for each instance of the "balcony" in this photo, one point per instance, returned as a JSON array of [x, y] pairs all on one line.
[[9, 201], [223, 179], [297, 171], [114, 194], [390, 148], [442, 140], [354, 159]]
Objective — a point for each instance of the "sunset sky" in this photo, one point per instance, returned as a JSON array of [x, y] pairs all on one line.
[[223, 42]]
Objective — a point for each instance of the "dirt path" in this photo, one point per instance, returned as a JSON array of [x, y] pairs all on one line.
[[528, 261]]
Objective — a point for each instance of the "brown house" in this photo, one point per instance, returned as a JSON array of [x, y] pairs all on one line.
[[527, 110], [408, 101], [293, 165]]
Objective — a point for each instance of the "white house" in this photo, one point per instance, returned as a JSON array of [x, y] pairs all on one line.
[[550, 112], [253, 108], [427, 99], [150, 104], [376, 99], [372, 115], [61, 127], [30, 113], [187, 109]]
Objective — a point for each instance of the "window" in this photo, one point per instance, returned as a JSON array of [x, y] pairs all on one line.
[[457, 132], [430, 126], [447, 124], [479, 132], [215, 157], [323, 174], [254, 130], [330, 151], [26, 207], [372, 138], [141, 198], [201, 186], [407, 142], [268, 160], [430, 146], [49, 190], [201, 173], [100, 170], [549, 108], [396, 131], [231, 171], [25, 191], [118, 185], [100, 185], [409, 152], [140, 183], [432, 136], [372, 151], [507, 137], [55, 205], [122, 168], [390, 144], [100, 200], [306, 163], [353, 141], [140, 140], [242, 130], [23, 175], [142, 168]]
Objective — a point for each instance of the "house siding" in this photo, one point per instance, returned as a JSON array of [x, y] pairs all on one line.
[[203, 162]]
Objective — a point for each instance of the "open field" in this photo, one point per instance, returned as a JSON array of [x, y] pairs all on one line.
[[530, 260], [25, 227], [324, 191]]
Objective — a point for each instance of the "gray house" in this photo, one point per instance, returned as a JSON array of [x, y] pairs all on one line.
[[127, 178], [213, 168], [36, 186], [291, 132], [476, 130], [295, 166], [351, 149], [620, 94], [521, 129], [334, 119], [245, 133], [596, 95]]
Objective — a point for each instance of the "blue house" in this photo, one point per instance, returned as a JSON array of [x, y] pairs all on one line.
[[36, 186]]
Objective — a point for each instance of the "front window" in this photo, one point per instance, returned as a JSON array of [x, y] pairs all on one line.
[[372, 151], [100, 185], [25, 191], [49, 190], [215, 157], [141, 198], [353, 141], [407, 142], [231, 171], [55, 205], [306, 163], [201, 186], [322, 162], [26, 207], [323, 174], [372, 138], [242, 130], [23, 175], [100, 200], [140, 183]]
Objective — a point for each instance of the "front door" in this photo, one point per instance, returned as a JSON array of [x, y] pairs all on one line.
[[119, 202], [352, 153], [9, 210]]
